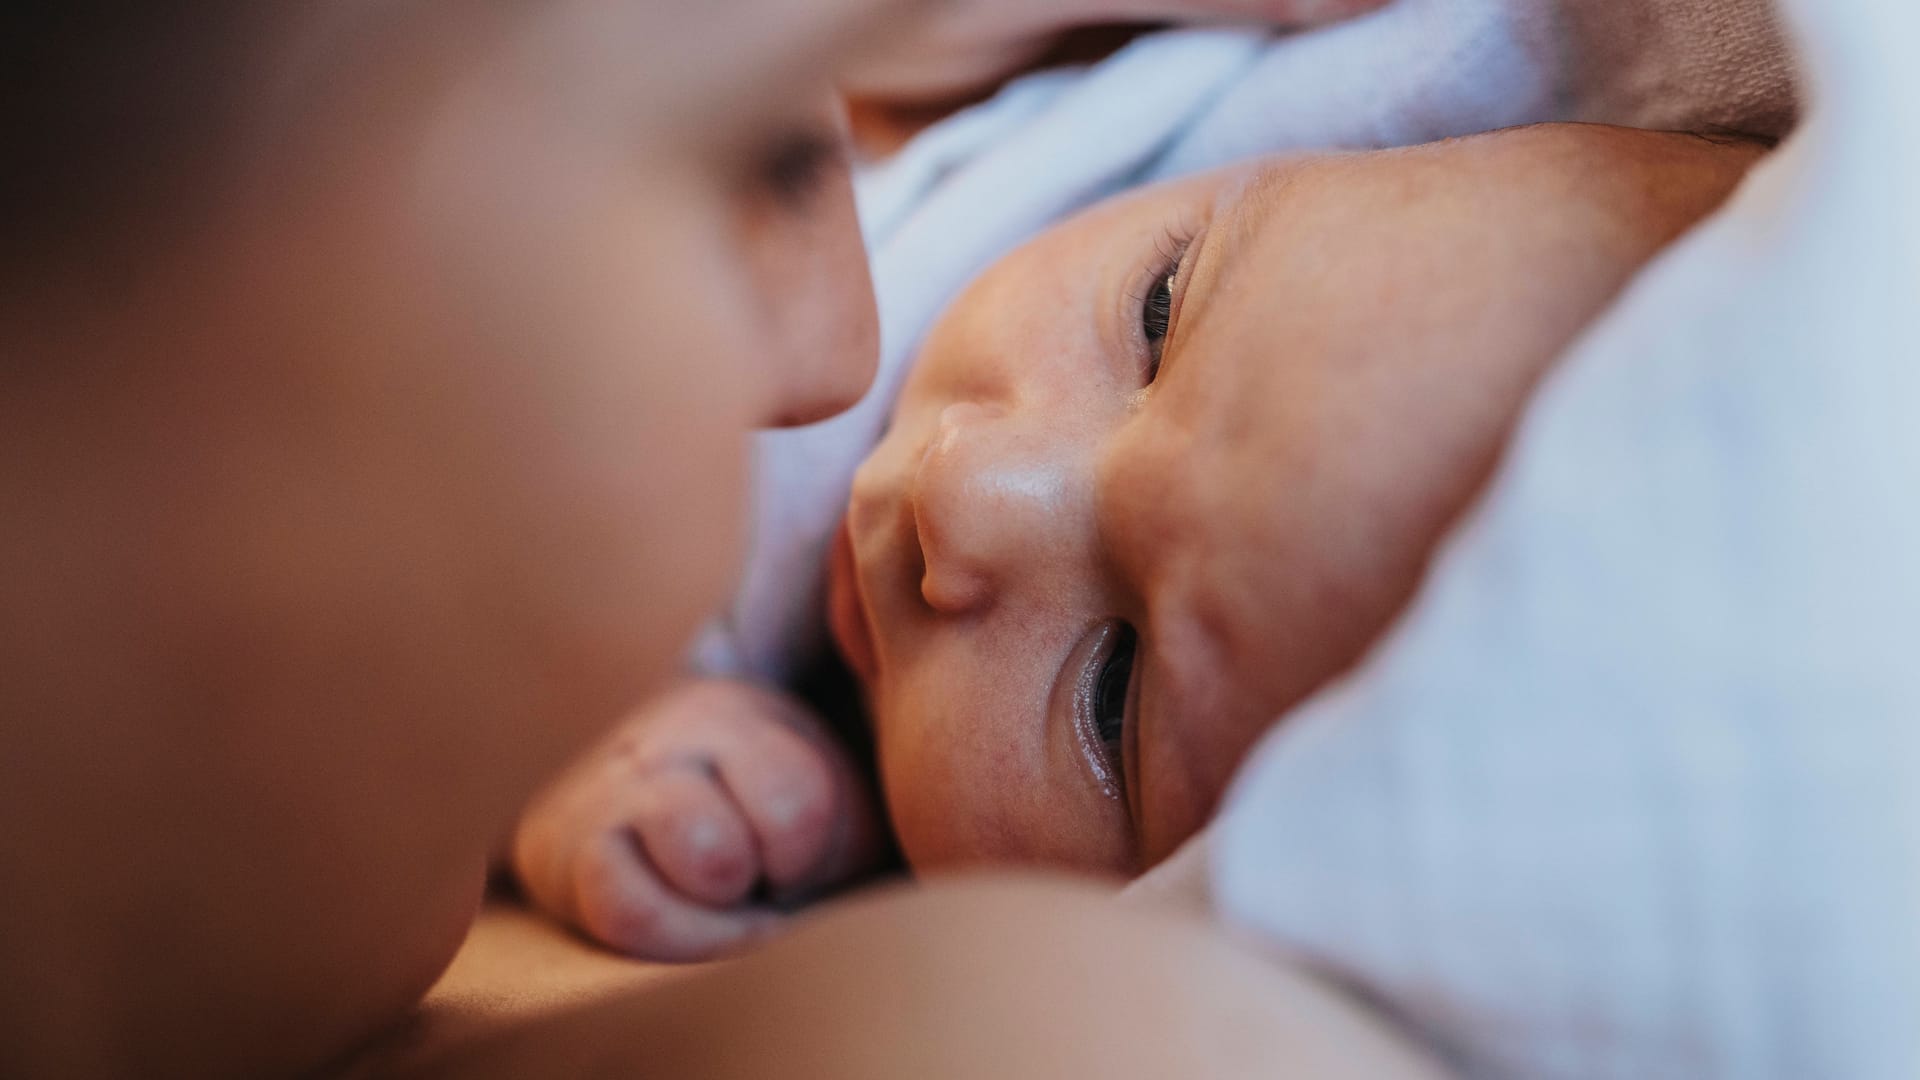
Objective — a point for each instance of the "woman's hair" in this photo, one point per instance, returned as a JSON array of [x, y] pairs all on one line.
[[113, 116]]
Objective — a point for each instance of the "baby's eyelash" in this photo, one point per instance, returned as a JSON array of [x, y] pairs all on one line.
[[1153, 308], [1170, 248]]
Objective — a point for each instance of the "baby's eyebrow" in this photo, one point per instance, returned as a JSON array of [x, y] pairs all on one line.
[[1214, 254], [1239, 214]]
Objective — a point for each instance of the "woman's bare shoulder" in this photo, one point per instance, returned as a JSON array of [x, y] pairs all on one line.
[[1015, 978]]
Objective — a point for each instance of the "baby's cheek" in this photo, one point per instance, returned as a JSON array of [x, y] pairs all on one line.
[[1201, 708], [1145, 501], [952, 799], [911, 789], [927, 826]]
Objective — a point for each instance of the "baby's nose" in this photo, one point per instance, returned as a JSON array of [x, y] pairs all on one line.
[[998, 500]]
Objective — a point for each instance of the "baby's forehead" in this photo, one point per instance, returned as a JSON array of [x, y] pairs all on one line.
[[1509, 158]]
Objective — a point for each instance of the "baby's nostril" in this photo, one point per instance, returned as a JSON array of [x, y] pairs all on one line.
[[952, 591], [957, 418], [944, 586], [953, 519]]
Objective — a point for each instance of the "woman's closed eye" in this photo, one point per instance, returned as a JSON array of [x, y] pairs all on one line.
[[795, 167]]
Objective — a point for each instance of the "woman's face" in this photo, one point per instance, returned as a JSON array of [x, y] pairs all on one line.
[[515, 285], [1175, 464], [403, 468]]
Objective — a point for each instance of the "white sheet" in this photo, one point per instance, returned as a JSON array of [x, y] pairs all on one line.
[[1635, 789]]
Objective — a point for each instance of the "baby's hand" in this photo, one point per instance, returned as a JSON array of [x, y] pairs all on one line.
[[693, 830]]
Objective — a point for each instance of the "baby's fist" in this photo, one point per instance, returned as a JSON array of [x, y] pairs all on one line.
[[669, 840]]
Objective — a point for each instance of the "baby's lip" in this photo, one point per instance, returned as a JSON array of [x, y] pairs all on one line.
[[847, 611]]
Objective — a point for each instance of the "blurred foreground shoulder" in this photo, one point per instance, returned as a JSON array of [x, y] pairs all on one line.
[[1005, 978]]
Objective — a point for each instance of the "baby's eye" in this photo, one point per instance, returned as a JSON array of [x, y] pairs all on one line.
[[1110, 694], [1156, 317]]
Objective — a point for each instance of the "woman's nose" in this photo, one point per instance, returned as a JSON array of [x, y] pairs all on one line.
[[809, 265], [826, 336], [999, 501]]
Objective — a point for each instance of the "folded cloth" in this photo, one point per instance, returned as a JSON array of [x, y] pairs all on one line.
[[975, 186], [1634, 790]]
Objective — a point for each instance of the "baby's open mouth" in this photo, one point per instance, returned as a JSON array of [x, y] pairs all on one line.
[[846, 610]]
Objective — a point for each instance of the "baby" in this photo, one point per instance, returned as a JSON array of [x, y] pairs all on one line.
[[1156, 477]]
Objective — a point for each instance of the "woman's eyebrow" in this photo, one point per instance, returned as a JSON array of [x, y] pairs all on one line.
[[835, 27], [792, 43]]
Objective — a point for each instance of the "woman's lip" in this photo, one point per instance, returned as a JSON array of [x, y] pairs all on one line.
[[847, 612]]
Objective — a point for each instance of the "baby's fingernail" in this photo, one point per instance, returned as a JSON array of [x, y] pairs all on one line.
[[785, 810], [703, 835]]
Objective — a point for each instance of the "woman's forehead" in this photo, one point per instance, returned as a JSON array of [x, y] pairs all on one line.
[[721, 63], [737, 53]]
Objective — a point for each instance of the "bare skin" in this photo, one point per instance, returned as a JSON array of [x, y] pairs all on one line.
[[1248, 490], [1036, 978], [344, 509]]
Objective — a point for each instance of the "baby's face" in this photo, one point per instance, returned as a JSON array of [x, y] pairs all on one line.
[[1172, 466]]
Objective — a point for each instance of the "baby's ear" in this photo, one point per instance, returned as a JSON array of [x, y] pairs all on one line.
[[1181, 883]]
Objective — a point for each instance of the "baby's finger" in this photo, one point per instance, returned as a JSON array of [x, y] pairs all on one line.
[[621, 902], [795, 800], [695, 836]]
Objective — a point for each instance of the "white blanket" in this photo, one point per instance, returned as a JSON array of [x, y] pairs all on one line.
[[974, 187], [1634, 791]]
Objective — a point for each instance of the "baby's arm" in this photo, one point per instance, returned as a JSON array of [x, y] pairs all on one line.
[[692, 830]]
